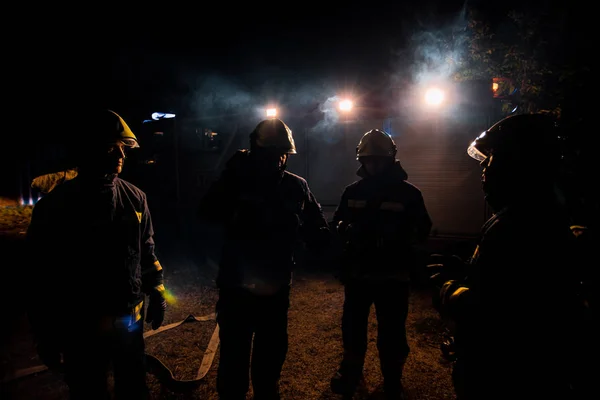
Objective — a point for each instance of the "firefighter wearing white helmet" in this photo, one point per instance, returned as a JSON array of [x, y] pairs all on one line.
[[266, 210], [88, 307], [522, 277], [381, 218], [376, 143], [272, 135]]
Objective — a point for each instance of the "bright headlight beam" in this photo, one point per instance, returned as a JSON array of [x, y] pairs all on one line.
[[346, 105], [434, 96]]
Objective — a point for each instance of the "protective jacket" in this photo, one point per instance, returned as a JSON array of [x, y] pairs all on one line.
[[265, 218], [526, 320], [380, 220], [91, 249]]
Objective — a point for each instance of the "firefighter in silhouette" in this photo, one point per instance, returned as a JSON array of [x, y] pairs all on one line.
[[91, 247], [381, 220], [266, 210], [514, 308]]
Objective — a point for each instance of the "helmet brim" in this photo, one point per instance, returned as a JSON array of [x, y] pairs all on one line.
[[474, 152], [129, 142]]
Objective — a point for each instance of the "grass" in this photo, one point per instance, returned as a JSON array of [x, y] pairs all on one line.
[[314, 337], [14, 219], [314, 351]]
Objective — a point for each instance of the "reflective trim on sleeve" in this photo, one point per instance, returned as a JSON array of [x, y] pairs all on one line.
[[357, 203], [137, 312]]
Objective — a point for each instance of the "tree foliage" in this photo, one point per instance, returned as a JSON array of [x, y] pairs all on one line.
[[530, 50]]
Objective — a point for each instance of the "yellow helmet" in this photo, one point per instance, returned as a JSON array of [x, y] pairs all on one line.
[[117, 129], [273, 134], [376, 143]]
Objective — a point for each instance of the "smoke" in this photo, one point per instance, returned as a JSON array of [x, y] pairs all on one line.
[[329, 120], [432, 54], [212, 96], [245, 97]]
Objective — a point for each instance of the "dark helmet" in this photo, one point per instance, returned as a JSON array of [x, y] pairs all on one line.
[[376, 143], [273, 134], [520, 137], [511, 147]]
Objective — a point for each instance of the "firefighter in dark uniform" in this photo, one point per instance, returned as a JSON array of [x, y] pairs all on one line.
[[265, 210], [380, 219], [513, 309], [93, 261]]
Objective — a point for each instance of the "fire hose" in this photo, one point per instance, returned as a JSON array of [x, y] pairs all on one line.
[[153, 364]]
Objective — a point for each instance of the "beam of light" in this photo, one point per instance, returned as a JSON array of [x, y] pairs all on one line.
[[345, 105], [170, 297], [158, 115], [271, 112], [434, 97]]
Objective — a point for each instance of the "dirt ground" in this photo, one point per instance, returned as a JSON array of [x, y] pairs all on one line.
[[314, 338]]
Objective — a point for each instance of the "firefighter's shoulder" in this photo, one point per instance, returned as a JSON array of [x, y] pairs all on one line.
[[129, 187], [410, 187], [295, 179], [354, 186]]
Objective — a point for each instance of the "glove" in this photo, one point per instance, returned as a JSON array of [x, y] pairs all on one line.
[[157, 305], [342, 227], [50, 354], [454, 299], [447, 291], [443, 268]]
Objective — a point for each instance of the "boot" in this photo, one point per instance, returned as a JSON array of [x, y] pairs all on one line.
[[394, 391], [345, 382], [392, 379]]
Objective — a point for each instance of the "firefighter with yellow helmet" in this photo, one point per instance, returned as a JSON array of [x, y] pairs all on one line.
[[381, 218], [265, 210], [91, 248], [514, 309]]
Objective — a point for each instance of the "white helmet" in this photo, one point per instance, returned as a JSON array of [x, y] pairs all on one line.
[[376, 143], [273, 134]]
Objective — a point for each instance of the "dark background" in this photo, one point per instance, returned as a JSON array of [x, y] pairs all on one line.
[[175, 58]]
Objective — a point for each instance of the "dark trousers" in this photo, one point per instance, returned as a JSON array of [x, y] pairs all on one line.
[[92, 347], [254, 341], [391, 307]]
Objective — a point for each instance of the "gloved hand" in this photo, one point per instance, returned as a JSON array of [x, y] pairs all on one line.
[[157, 305], [341, 227], [49, 353], [347, 231], [443, 268], [455, 300]]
